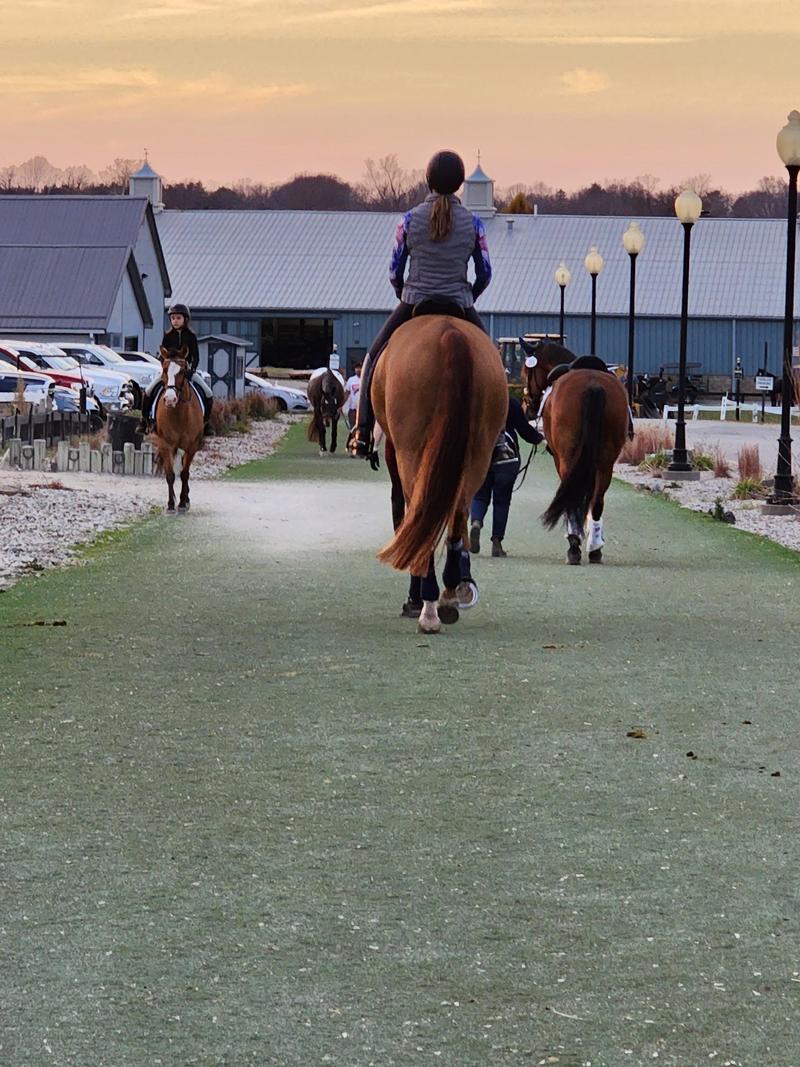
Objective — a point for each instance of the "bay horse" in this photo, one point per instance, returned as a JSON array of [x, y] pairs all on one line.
[[585, 422], [541, 358], [326, 393], [178, 423], [440, 395]]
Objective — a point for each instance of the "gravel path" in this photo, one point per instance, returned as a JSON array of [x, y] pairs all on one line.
[[44, 517]]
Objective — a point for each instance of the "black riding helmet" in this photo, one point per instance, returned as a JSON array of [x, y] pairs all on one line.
[[180, 309], [445, 173]]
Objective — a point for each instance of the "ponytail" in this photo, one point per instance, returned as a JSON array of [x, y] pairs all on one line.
[[441, 218]]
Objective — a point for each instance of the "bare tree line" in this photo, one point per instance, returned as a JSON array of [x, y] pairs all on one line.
[[387, 186]]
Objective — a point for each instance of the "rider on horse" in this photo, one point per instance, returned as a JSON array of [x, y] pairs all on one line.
[[436, 239], [175, 338]]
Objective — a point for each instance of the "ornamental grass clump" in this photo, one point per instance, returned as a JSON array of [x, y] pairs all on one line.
[[259, 406], [646, 440], [702, 461], [749, 489], [722, 467], [655, 463], [749, 463]]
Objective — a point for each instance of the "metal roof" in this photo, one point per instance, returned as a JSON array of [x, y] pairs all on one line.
[[50, 287], [339, 261], [79, 221]]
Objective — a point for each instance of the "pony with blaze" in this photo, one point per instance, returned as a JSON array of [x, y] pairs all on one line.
[[178, 423], [440, 395], [326, 393], [584, 409]]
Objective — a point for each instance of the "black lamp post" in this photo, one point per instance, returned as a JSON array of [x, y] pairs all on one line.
[[687, 207], [563, 278], [594, 264], [789, 151], [633, 243]]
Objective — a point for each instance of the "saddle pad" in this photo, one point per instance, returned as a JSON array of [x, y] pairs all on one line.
[[321, 370]]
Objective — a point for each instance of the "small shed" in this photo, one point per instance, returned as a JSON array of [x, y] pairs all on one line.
[[222, 355]]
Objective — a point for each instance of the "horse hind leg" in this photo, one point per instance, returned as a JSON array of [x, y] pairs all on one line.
[[448, 601], [595, 523], [574, 538], [429, 621]]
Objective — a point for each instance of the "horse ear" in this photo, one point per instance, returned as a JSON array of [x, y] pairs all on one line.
[[526, 346], [184, 353], [163, 352]]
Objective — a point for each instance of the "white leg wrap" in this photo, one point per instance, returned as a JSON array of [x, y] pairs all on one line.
[[595, 534]]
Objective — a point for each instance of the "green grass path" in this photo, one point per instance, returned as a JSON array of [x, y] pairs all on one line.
[[249, 816]]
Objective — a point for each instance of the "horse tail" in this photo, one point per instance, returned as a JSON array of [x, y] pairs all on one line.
[[313, 427], [574, 494], [439, 479]]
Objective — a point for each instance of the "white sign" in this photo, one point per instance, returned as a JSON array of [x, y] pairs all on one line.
[[765, 383]]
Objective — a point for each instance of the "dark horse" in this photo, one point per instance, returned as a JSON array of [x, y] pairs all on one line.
[[326, 394], [585, 421], [440, 395]]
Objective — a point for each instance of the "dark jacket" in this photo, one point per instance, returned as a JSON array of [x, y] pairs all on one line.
[[176, 339], [516, 423]]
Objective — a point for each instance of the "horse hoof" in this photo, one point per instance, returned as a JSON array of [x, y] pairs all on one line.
[[411, 609], [468, 595], [429, 627], [183, 508], [448, 613], [574, 559], [596, 556]]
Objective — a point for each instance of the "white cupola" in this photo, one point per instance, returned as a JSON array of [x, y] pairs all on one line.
[[479, 193], [145, 182]]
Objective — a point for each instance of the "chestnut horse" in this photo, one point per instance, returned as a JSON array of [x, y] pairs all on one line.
[[440, 395], [178, 423], [585, 423], [326, 393]]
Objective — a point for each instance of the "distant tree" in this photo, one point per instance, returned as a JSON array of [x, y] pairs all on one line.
[[519, 204], [8, 177], [388, 187], [35, 173], [117, 174], [314, 192], [77, 178]]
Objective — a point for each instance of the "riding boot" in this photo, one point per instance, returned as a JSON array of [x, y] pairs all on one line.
[[208, 403], [630, 423], [143, 426], [359, 442], [475, 536]]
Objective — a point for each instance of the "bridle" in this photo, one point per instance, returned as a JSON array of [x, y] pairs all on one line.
[[179, 386]]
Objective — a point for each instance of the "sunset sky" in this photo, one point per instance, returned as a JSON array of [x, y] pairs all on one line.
[[564, 93]]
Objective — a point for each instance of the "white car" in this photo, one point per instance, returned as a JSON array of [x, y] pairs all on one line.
[[288, 399], [91, 355], [115, 391], [38, 390], [140, 357]]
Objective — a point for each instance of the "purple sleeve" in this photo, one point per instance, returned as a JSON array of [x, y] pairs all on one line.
[[397, 267], [480, 257]]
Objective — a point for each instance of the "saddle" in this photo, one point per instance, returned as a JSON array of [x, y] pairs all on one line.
[[438, 305], [580, 363]]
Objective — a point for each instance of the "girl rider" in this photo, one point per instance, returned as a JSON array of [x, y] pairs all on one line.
[[436, 239], [176, 337]]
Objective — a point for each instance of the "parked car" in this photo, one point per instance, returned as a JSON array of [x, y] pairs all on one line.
[[37, 389], [91, 355], [68, 400], [288, 399], [114, 390], [140, 357]]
